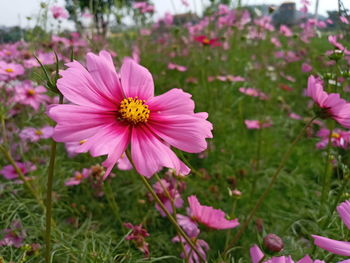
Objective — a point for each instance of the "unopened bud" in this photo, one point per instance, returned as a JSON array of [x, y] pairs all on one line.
[[273, 243]]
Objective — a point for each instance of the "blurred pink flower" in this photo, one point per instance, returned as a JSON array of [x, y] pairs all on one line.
[[284, 30], [339, 138], [253, 92], [138, 235], [10, 173], [305, 67], [344, 20], [255, 124], [334, 246], [294, 116], [34, 134], [201, 247], [13, 236], [59, 12], [177, 67], [331, 105], [208, 216], [10, 70], [144, 7], [27, 94], [78, 177], [113, 110], [213, 42]]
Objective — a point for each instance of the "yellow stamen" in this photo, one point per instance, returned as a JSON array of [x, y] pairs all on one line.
[[78, 176], [206, 41], [38, 132], [31, 92], [82, 142], [134, 110], [335, 135], [9, 70]]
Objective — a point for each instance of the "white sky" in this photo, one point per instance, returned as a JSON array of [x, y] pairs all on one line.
[[14, 12]]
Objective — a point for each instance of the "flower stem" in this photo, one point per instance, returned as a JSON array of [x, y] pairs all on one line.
[[161, 205], [49, 197], [268, 189]]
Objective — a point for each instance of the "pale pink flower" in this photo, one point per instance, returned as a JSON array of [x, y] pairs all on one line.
[[208, 216], [161, 188], [78, 177], [344, 20], [254, 93], [185, 2], [331, 105], [284, 30], [13, 236], [294, 116], [27, 94], [59, 12], [34, 134], [305, 67], [144, 7], [334, 246], [338, 138], [177, 67], [112, 110], [10, 173], [256, 124], [10, 70], [200, 245], [275, 41]]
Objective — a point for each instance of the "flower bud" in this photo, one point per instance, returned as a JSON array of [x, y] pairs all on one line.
[[273, 243]]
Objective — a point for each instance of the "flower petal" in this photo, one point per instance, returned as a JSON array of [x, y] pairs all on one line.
[[256, 254], [334, 246], [344, 212]]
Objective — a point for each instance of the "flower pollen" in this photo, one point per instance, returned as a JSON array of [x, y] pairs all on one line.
[[134, 110], [38, 132], [9, 70]]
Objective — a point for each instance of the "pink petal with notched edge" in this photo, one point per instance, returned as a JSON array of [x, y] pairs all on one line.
[[256, 254], [149, 154], [102, 70], [78, 86], [334, 246], [344, 212], [136, 80]]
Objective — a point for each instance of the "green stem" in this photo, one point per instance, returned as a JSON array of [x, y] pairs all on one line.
[[268, 189], [161, 205], [49, 197], [112, 202]]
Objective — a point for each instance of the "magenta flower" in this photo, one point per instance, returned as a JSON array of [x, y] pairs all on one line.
[[111, 111], [284, 30], [138, 235], [213, 42], [255, 124], [208, 216], [339, 138], [13, 236], [10, 70], [201, 246], [34, 135], [27, 94], [78, 177], [10, 173], [59, 12], [144, 7], [253, 92], [331, 105], [334, 246], [160, 188], [305, 67], [177, 67], [257, 256]]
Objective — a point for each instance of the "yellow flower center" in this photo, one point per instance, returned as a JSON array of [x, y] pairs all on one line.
[[206, 41], [78, 176], [31, 92], [38, 132], [82, 142], [9, 70], [335, 135], [134, 110]]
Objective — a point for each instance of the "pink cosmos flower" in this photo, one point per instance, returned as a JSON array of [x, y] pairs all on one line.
[[339, 138], [13, 236], [144, 7], [331, 105], [334, 246], [59, 12], [305, 67], [34, 135], [344, 20], [294, 116], [138, 235], [161, 193], [27, 94], [201, 247], [254, 93], [257, 255], [10, 70], [284, 30], [255, 124], [10, 173], [78, 177], [213, 42], [177, 67], [208, 216], [111, 111]]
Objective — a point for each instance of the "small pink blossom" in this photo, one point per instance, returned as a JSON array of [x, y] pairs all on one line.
[[331, 105], [10, 70], [294, 116], [339, 138], [28, 94], [78, 177], [144, 7], [201, 246], [34, 135], [13, 236], [344, 20], [10, 173], [59, 12], [177, 67], [284, 30], [254, 93], [305, 67], [255, 124], [138, 235]]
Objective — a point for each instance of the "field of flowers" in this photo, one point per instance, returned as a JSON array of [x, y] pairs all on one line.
[[223, 140]]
